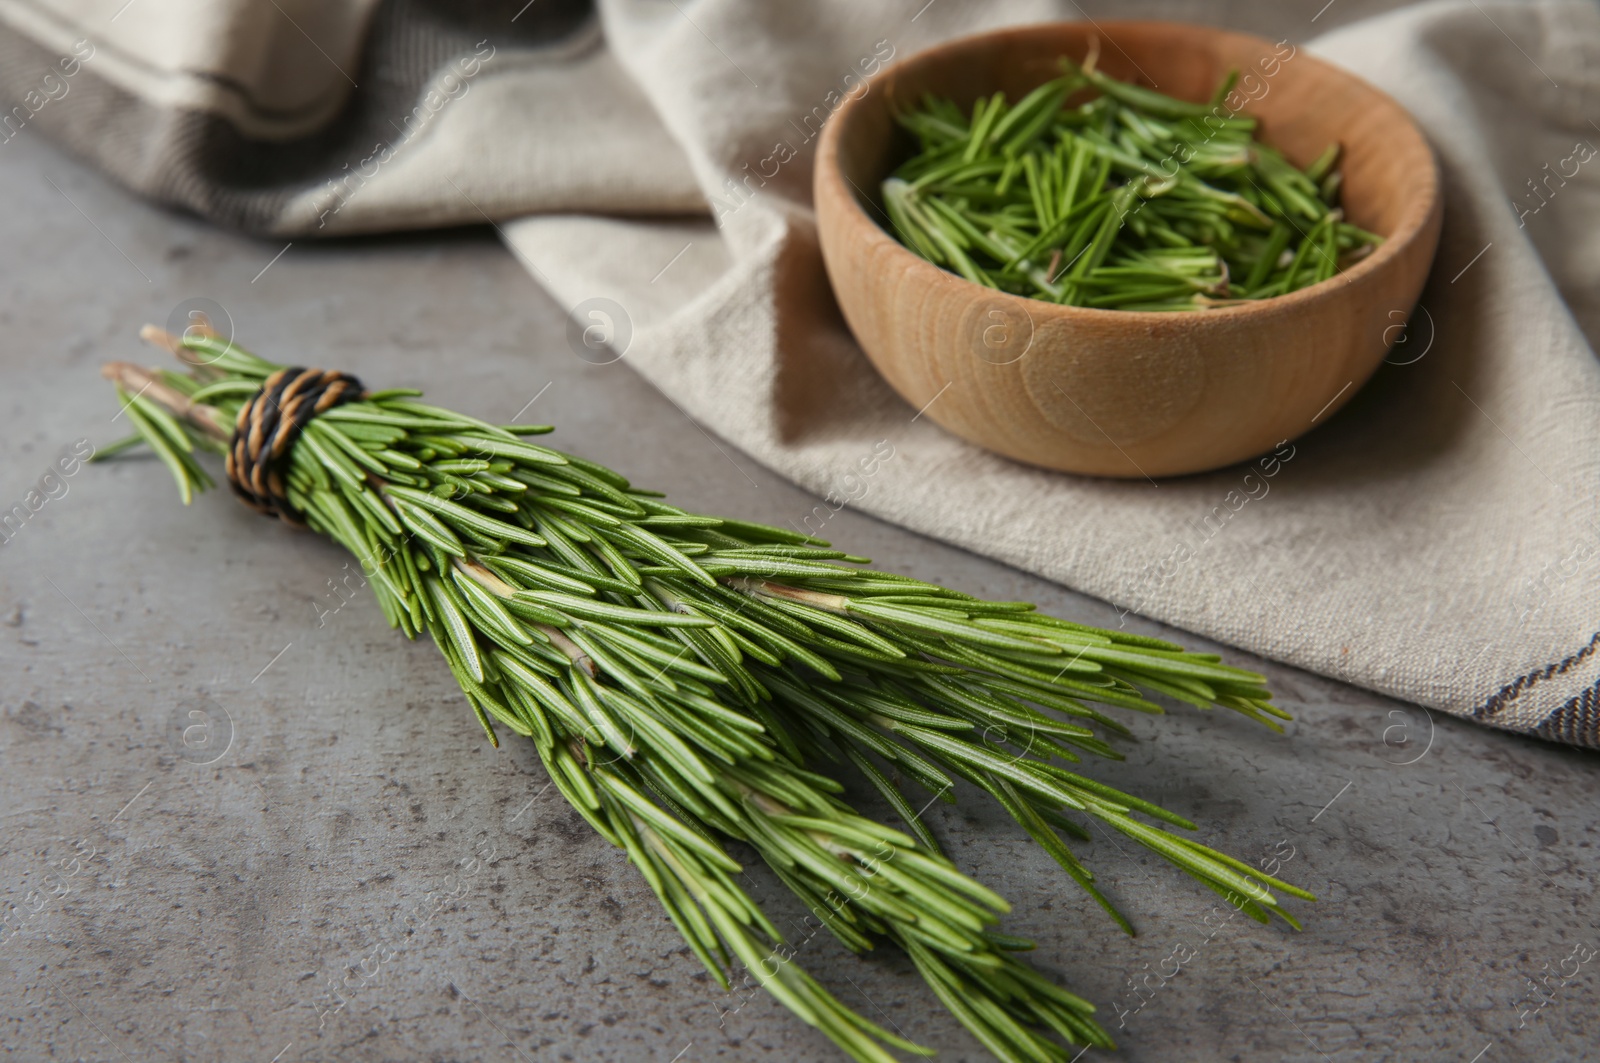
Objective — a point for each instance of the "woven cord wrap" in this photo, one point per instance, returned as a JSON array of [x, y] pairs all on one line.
[[267, 426]]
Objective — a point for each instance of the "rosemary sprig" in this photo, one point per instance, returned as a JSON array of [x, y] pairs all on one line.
[[687, 679], [1131, 200]]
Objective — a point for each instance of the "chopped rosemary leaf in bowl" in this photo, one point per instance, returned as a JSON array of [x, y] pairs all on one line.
[[1133, 200]]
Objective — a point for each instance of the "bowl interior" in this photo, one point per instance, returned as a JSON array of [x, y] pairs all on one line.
[[1303, 104]]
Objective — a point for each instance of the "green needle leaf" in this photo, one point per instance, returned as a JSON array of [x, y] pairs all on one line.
[[1054, 201]]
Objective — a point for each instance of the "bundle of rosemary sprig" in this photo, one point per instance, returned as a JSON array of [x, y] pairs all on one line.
[[689, 681], [1132, 200]]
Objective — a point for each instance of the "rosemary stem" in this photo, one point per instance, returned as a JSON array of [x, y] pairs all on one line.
[[691, 681], [137, 380]]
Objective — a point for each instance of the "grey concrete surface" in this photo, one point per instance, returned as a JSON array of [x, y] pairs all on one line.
[[242, 824]]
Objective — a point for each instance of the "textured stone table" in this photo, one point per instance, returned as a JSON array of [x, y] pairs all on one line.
[[243, 820]]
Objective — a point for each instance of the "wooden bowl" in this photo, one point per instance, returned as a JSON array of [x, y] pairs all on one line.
[[1124, 393]]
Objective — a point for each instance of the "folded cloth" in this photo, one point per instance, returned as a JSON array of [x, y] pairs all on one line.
[[1434, 540]]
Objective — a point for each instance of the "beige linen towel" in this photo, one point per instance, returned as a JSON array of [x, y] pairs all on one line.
[[1435, 540]]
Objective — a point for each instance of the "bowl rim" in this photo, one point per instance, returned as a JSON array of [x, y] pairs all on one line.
[[1420, 209]]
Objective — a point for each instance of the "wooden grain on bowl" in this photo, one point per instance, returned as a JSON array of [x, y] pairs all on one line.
[[1127, 393]]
